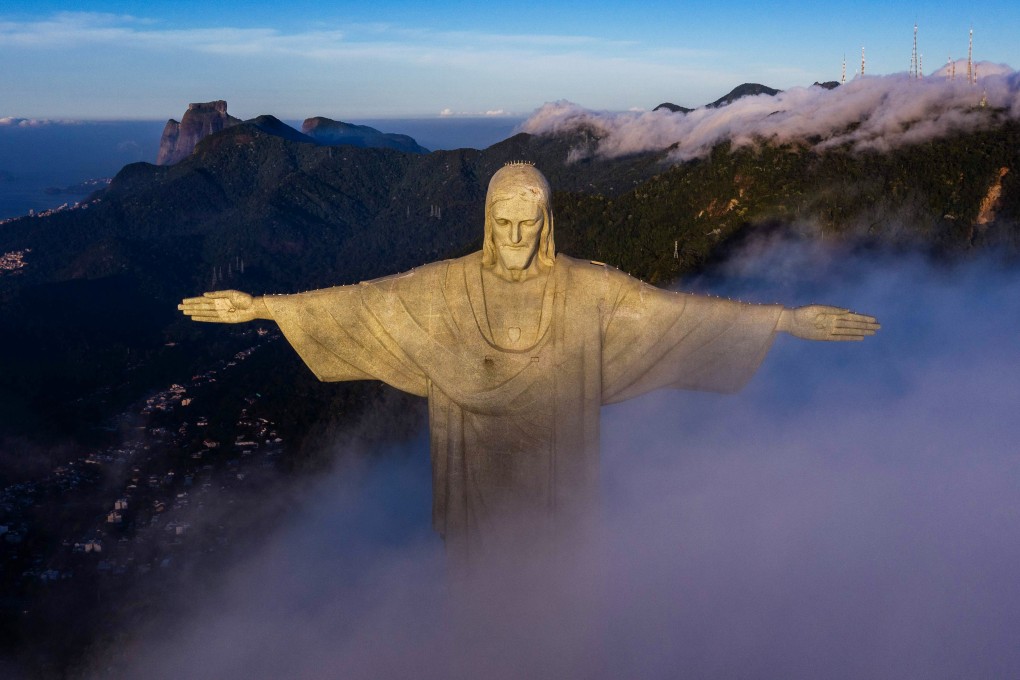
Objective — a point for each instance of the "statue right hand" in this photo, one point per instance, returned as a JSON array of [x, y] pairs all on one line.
[[221, 306]]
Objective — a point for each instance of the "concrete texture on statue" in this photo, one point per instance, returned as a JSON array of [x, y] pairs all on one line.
[[516, 349]]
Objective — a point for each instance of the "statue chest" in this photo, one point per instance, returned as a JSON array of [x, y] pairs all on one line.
[[515, 326]]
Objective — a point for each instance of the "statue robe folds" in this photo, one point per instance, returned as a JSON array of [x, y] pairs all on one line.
[[515, 430]]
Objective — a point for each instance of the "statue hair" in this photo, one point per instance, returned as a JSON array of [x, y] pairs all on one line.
[[520, 179]]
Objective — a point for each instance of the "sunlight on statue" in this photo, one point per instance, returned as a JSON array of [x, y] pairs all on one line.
[[517, 348]]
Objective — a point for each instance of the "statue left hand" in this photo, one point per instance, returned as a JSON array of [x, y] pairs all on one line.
[[225, 306], [822, 322]]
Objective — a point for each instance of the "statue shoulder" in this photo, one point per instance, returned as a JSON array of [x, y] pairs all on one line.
[[593, 280], [425, 272], [592, 270]]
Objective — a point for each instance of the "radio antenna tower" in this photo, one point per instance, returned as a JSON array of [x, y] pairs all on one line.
[[970, 59], [842, 79], [862, 61], [913, 55]]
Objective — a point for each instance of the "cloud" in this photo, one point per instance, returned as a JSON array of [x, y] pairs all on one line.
[[72, 29], [380, 68], [491, 113], [867, 113], [380, 41], [12, 121], [851, 513]]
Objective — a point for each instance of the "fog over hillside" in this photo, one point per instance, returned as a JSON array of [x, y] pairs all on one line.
[[869, 113], [852, 513]]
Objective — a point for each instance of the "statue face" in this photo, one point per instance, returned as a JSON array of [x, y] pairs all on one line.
[[516, 231]]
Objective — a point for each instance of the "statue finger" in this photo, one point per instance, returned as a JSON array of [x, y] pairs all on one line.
[[857, 332], [190, 309], [844, 323], [860, 317], [871, 328]]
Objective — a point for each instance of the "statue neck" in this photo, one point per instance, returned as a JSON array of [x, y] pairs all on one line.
[[537, 270]]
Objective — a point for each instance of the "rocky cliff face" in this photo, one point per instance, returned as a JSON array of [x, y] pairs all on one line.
[[200, 120]]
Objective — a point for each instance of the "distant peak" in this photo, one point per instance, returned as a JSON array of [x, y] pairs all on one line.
[[219, 106], [744, 90], [277, 127], [200, 120], [672, 107], [329, 132]]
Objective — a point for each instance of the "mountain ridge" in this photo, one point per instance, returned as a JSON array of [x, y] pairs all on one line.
[[203, 119], [739, 92]]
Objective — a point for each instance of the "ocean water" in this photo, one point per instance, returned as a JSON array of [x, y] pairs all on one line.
[[38, 164], [57, 156]]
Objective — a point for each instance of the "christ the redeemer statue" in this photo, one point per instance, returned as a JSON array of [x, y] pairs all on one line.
[[517, 348]]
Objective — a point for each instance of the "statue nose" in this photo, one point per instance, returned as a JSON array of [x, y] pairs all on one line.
[[515, 232]]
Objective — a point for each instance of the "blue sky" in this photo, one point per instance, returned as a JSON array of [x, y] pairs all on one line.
[[104, 60]]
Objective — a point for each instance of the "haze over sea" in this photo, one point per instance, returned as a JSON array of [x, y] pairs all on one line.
[[37, 160]]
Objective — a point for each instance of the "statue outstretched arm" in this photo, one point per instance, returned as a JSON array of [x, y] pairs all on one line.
[[822, 322], [225, 306]]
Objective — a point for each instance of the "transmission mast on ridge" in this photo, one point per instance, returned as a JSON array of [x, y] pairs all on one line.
[[842, 79], [862, 61], [970, 59], [913, 56]]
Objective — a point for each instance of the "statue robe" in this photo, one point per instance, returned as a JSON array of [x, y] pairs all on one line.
[[515, 431]]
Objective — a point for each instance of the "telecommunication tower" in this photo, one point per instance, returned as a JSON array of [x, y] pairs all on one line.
[[970, 59], [913, 56], [862, 61], [842, 79]]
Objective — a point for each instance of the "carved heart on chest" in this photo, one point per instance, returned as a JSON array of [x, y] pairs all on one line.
[[514, 333]]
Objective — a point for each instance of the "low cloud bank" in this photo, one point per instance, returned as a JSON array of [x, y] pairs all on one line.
[[870, 113], [11, 121], [852, 513]]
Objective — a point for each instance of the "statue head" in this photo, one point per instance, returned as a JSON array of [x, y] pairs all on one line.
[[518, 220]]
